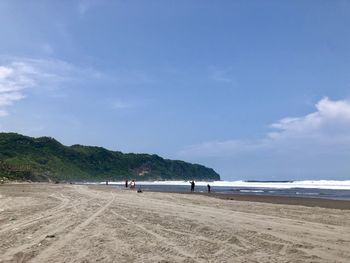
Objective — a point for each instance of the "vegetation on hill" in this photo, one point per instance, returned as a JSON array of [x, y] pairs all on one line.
[[45, 159]]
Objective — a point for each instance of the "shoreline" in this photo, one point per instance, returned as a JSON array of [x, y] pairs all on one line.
[[272, 199]]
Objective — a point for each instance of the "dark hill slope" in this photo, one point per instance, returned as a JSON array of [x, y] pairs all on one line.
[[44, 158]]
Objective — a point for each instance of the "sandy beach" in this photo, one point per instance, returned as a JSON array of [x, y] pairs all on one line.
[[79, 223]]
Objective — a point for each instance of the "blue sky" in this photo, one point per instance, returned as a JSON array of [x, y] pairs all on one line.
[[254, 89]]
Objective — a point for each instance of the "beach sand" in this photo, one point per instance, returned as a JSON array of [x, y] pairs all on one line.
[[80, 223]]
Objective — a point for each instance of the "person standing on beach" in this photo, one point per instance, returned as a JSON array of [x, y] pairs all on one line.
[[126, 183], [132, 184], [208, 188], [192, 186]]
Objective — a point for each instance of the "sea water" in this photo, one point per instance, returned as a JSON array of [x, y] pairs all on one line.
[[329, 189]]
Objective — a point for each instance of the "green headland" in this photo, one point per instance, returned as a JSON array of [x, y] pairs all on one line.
[[46, 159]]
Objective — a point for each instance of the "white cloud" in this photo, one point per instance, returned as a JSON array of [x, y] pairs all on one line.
[[8, 98], [328, 126], [3, 113], [19, 74], [14, 78], [5, 72], [330, 123]]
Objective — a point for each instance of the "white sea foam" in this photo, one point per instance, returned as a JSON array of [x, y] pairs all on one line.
[[251, 191], [317, 184]]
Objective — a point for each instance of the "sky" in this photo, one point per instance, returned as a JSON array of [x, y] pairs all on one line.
[[257, 90]]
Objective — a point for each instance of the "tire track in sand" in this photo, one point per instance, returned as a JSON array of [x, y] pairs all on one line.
[[169, 246], [45, 254], [38, 239], [49, 213]]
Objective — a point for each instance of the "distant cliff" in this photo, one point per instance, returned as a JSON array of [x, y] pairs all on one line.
[[45, 159]]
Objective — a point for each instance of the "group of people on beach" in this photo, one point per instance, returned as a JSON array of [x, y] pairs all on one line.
[[132, 184]]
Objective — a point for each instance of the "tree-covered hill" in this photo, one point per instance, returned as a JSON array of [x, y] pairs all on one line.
[[44, 158]]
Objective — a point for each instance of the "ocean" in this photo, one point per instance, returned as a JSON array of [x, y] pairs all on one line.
[[328, 189]]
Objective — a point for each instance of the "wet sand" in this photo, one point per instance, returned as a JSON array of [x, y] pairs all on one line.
[[273, 199], [78, 223]]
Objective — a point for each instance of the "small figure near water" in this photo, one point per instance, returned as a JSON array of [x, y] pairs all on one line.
[[132, 184], [106, 182], [139, 190], [192, 185], [126, 183], [208, 188]]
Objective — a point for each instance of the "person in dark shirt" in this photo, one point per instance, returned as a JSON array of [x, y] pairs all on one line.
[[192, 186], [208, 188]]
